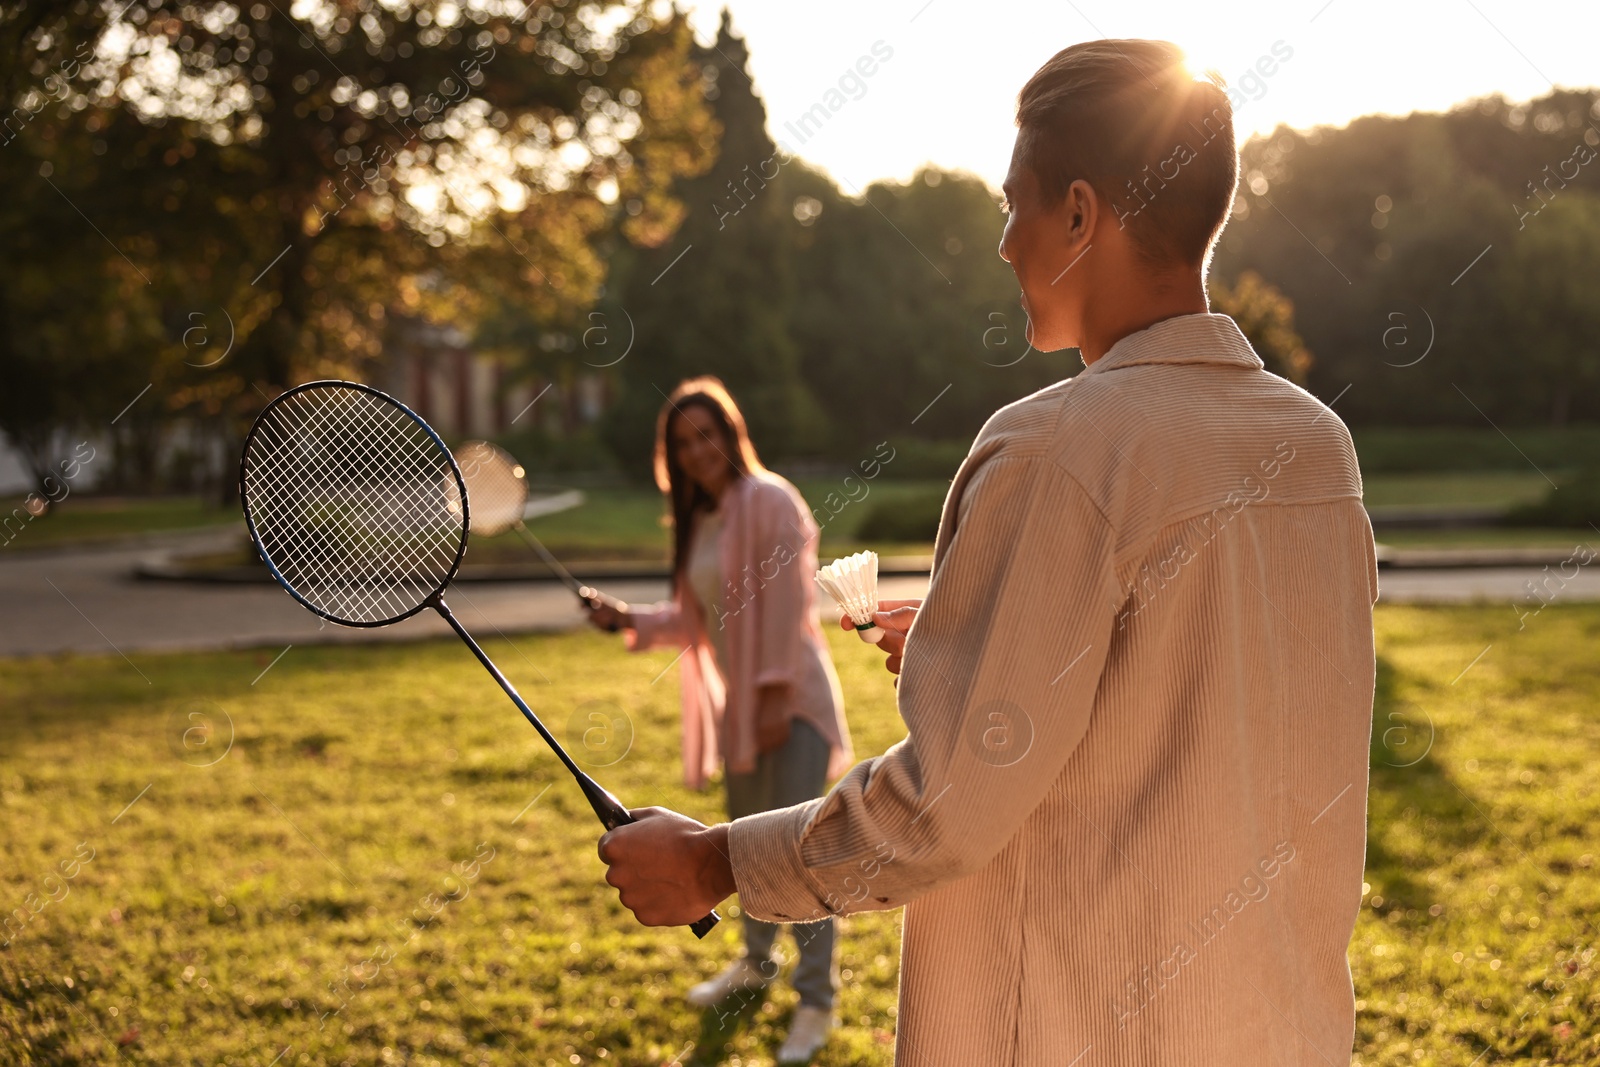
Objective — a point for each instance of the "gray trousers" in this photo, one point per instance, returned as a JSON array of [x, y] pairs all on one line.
[[792, 774]]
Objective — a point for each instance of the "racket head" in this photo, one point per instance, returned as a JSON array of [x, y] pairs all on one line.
[[353, 502], [497, 487]]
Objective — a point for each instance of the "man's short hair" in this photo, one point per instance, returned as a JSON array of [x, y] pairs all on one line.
[[1156, 143]]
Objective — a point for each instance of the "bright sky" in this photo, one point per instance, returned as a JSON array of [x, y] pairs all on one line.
[[947, 92]]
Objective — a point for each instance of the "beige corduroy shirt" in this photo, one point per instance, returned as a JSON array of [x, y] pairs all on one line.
[[1128, 819]]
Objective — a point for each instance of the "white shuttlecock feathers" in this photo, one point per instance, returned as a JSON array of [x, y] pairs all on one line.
[[853, 582]]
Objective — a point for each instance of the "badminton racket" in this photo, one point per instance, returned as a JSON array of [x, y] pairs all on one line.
[[497, 490], [361, 514]]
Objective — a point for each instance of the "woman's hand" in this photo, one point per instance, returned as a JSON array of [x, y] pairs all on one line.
[[607, 612], [772, 717], [894, 617]]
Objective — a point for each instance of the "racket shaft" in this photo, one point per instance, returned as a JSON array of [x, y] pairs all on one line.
[[612, 812], [550, 560], [511, 691], [583, 592]]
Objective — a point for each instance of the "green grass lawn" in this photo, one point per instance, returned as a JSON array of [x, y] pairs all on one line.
[[1474, 447], [1468, 489], [1477, 942], [1490, 537], [79, 519], [1454, 488], [233, 906], [374, 871], [625, 523]]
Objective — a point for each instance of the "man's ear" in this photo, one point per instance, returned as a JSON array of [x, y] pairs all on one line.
[[1082, 205]]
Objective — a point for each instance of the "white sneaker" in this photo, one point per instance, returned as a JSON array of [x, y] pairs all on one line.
[[807, 1034], [737, 977]]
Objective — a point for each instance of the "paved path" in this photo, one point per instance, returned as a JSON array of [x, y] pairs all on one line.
[[85, 601]]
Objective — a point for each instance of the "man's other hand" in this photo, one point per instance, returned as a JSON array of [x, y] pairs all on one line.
[[894, 617]]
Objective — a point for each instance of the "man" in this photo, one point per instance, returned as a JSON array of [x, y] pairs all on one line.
[[1127, 822]]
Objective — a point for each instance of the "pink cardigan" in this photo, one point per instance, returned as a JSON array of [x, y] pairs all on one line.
[[768, 556]]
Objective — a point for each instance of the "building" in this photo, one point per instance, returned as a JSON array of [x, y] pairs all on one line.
[[464, 394]]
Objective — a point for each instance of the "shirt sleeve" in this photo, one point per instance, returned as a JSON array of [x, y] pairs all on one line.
[[999, 676]]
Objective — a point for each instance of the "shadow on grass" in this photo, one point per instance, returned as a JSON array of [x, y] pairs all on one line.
[[1407, 778], [719, 1026]]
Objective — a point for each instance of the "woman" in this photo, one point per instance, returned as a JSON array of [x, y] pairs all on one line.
[[759, 690]]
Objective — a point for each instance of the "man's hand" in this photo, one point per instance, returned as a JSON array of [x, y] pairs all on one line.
[[894, 617], [668, 869]]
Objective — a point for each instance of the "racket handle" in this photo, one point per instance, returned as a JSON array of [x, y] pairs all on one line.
[[609, 808], [612, 815], [591, 597]]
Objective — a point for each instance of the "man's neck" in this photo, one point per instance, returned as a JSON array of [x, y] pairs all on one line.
[[1106, 323]]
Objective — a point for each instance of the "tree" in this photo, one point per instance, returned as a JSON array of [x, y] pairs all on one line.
[[1391, 237], [909, 320], [314, 178], [1266, 317], [1546, 288], [717, 298]]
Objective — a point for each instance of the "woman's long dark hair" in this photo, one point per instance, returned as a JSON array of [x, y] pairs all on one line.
[[683, 494]]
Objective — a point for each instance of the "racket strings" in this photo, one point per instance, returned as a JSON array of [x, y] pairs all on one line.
[[370, 516], [370, 547], [355, 503], [496, 486], [302, 559]]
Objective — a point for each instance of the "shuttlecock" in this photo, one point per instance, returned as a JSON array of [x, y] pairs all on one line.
[[853, 582]]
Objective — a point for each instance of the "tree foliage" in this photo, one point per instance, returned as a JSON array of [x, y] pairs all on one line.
[[203, 201], [310, 180], [1437, 263], [1266, 317], [836, 320], [718, 297]]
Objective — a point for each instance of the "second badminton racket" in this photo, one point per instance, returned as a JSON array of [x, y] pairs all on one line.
[[497, 490]]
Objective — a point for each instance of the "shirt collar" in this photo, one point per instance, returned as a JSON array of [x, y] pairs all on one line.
[[1202, 337]]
